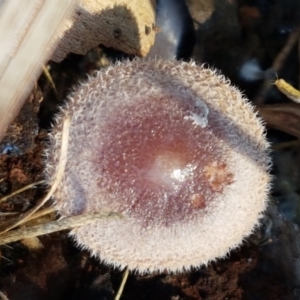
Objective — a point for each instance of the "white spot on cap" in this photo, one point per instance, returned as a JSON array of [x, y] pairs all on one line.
[[199, 117]]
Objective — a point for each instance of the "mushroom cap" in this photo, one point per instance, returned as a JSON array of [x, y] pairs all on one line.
[[174, 148]]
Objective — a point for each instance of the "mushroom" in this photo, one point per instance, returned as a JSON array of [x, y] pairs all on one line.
[[175, 149]]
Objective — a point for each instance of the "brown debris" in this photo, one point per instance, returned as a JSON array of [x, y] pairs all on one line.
[[218, 176], [198, 201], [119, 24]]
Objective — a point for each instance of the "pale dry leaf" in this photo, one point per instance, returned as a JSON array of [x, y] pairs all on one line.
[[120, 24], [27, 33]]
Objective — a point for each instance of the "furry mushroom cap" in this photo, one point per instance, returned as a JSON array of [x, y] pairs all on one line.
[[174, 148]]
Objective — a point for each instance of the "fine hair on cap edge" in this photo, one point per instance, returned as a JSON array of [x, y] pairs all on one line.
[[174, 148]]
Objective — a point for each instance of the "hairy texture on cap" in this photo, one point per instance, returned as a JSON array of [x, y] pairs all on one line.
[[174, 148]]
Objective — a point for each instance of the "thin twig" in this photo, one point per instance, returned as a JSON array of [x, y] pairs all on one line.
[[21, 190], [36, 215], [286, 50], [40, 213], [284, 145], [121, 288], [277, 65], [49, 78], [54, 226], [5, 214]]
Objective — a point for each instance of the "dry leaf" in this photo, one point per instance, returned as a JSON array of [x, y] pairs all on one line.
[[120, 24], [284, 117], [27, 33]]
